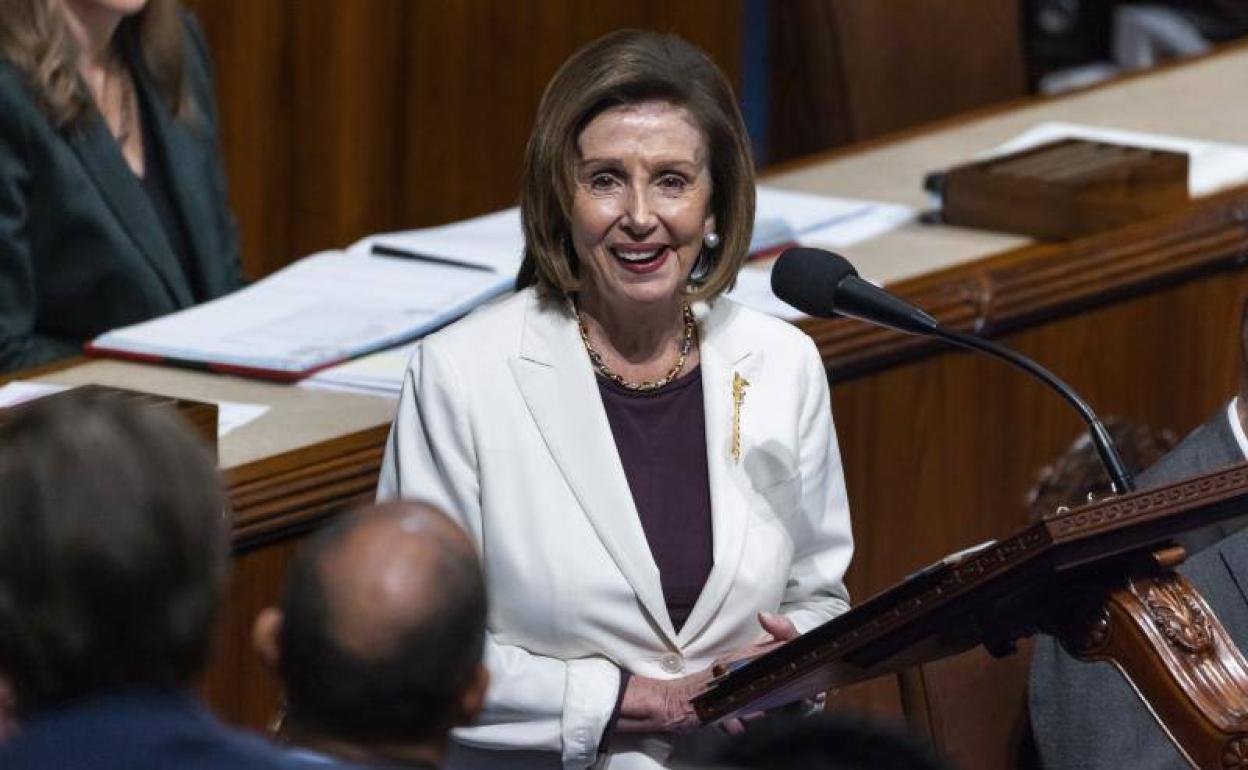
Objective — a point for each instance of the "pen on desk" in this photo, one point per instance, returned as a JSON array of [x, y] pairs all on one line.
[[383, 250]]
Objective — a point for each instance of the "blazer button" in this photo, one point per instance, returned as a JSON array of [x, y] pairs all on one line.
[[672, 663]]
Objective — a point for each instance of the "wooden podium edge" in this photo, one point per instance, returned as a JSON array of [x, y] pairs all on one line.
[[993, 595]]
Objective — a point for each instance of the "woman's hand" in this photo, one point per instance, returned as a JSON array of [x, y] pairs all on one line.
[[779, 630], [661, 705]]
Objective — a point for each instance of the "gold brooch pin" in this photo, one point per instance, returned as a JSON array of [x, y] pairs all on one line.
[[739, 384]]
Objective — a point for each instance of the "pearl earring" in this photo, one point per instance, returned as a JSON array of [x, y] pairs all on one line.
[[711, 239]]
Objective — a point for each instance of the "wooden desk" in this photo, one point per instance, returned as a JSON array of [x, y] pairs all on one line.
[[939, 446]]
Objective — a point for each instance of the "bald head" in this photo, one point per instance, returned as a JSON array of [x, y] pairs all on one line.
[[385, 574], [383, 624]]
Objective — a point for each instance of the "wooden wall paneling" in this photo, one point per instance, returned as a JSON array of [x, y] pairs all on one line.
[[237, 685], [808, 104], [472, 91], [878, 698], [477, 70], [979, 707], [350, 135], [249, 43], [911, 61], [849, 70], [310, 94]]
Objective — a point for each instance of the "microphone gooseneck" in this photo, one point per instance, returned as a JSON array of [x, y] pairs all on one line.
[[826, 285], [1119, 477]]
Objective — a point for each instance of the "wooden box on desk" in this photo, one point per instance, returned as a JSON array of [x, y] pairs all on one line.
[[200, 417], [1065, 189]]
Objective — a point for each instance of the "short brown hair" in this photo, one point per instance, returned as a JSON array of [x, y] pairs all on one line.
[[628, 67], [113, 548]]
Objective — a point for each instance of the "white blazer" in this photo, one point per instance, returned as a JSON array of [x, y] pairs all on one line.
[[501, 424]]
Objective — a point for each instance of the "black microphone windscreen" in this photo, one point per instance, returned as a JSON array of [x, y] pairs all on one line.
[[807, 279]]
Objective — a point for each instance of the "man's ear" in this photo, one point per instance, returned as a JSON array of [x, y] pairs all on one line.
[[472, 699], [265, 636]]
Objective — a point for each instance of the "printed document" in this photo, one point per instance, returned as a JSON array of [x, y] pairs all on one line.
[[337, 305]]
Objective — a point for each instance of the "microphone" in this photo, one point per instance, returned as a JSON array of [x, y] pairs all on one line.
[[826, 285]]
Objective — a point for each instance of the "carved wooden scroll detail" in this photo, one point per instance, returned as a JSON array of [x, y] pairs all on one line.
[[1182, 620], [1235, 755], [1163, 636]]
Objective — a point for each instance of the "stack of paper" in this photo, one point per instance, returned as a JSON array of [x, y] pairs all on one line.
[[337, 305], [783, 218], [379, 374]]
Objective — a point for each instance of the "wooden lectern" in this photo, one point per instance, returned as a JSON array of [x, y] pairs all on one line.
[[1099, 577]]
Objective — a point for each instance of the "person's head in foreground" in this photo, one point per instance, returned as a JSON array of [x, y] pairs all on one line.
[[114, 547], [638, 189], [380, 634], [826, 742], [113, 550]]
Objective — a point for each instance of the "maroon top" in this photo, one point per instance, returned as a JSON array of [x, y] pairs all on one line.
[[661, 439]]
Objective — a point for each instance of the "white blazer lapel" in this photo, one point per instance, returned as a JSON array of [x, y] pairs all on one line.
[[556, 381], [723, 359]]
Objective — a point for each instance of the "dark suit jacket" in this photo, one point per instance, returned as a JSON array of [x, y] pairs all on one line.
[[141, 729], [82, 249], [1085, 715]]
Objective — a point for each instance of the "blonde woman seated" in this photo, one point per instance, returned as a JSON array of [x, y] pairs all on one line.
[[645, 465], [113, 205]]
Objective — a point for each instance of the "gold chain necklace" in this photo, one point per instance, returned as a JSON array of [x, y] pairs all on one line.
[[641, 387]]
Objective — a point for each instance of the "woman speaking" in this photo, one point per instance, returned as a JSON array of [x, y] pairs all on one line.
[[649, 470]]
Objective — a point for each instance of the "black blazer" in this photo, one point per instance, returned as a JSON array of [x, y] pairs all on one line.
[[82, 249]]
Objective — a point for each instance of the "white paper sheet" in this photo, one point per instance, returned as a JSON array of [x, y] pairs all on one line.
[[375, 374], [493, 240], [230, 414], [20, 391], [753, 290], [1212, 166], [811, 220], [783, 216]]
